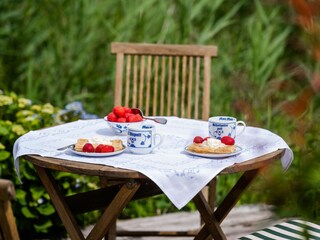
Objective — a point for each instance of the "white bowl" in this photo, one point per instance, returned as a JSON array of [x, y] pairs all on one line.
[[121, 128]]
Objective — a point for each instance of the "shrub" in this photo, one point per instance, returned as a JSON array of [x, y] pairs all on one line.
[[34, 212]]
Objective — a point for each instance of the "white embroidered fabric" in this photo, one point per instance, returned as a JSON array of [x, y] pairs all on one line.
[[179, 175]]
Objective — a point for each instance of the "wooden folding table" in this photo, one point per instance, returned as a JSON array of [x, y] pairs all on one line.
[[126, 185]]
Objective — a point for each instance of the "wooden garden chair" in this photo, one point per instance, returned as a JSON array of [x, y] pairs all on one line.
[[291, 229], [8, 227], [165, 80]]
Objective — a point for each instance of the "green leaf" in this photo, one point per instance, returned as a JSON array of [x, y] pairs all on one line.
[[27, 171], [27, 213], [46, 209], [261, 12], [4, 155], [43, 227], [66, 185], [36, 192], [63, 174], [4, 131], [21, 196]]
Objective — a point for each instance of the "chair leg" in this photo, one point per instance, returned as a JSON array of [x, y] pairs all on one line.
[[7, 221]]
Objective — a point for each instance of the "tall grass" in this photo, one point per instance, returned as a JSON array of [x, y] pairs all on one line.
[[60, 51]]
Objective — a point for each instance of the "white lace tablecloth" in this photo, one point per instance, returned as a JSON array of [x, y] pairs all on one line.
[[179, 175]]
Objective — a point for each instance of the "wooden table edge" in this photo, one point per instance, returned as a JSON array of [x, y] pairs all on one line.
[[113, 172]]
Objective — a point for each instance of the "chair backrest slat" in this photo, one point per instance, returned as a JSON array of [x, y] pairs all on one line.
[[135, 81], [148, 85], [118, 80], [142, 72], [176, 86], [183, 86], [155, 87], [196, 110], [127, 88], [169, 86], [206, 85], [190, 87], [164, 79]]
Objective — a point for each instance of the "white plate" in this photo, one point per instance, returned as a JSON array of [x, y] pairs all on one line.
[[215, 155], [93, 154]]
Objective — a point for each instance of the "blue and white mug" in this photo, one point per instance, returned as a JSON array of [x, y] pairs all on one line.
[[220, 126], [142, 139]]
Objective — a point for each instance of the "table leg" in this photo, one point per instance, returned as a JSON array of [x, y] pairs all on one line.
[[60, 204], [225, 207], [113, 210], [108, 217], [112, 233], [207, 215]]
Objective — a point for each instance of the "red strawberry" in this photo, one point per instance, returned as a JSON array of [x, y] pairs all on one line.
[[88, 147], [206, 138], [131, 118], [119, 111], [121, 119], [227, 140], [138, 118], [198, 139], [107, 148], [127, 110], [126, 115], [112, 117], [99, 148]]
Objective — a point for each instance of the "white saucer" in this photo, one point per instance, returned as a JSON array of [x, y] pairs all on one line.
[[94, 154], [216, 155]]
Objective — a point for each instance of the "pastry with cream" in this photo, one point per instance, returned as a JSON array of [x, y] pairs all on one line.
[[212, 145]]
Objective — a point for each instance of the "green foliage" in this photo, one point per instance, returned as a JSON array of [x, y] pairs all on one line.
[[267, 42], [296, 193], [68, 43], [18, 116]]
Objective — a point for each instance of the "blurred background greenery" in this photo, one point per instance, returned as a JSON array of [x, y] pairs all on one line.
[[267, 74]]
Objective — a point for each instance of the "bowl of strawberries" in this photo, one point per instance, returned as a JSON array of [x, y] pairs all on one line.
[[120, 118]]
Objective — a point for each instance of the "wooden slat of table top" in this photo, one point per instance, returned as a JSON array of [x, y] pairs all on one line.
[[255, 163], [83, 168], [111, 172]]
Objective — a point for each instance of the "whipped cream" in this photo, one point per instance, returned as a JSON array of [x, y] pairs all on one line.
[[100, 140], [213, 143]]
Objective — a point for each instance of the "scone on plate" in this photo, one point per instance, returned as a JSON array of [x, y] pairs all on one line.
[[80, 143], [95, 141], [210, 146]]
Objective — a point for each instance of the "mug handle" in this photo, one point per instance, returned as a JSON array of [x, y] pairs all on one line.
[[244, 127], [160, 137]]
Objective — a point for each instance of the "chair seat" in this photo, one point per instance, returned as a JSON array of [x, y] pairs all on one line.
[[292, 229]]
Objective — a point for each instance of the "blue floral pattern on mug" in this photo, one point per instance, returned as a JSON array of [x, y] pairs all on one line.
[[218, 133], [140, 140]]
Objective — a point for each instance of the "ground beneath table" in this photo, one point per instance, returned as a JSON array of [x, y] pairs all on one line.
[[241, 221]]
